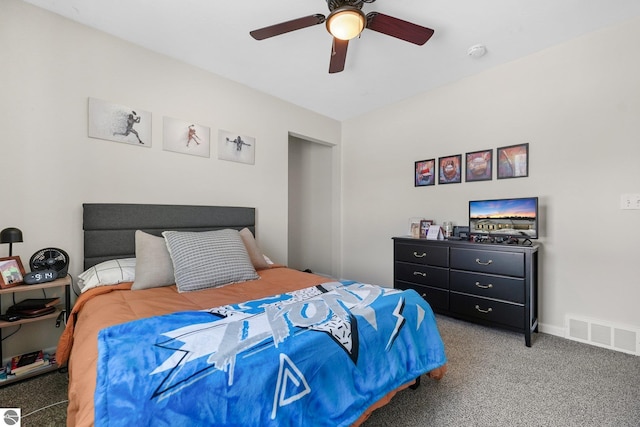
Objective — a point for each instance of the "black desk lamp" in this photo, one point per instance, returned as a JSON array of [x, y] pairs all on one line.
[[10, 235]]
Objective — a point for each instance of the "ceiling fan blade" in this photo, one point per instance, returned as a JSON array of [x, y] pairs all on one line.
[[285, 27], [338, 55], [398, 28]]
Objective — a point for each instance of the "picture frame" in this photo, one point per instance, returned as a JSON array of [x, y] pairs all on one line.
[[479, 165], [513, 161], [424, 227], [414, 227], [119, 123], [185, 137], [11, 272], [450, 169], [424, 173], [236, 148]]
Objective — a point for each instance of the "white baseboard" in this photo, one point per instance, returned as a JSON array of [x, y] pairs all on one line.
[[551, 330]]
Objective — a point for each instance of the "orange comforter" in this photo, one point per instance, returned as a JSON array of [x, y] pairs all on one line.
[[110, 305]]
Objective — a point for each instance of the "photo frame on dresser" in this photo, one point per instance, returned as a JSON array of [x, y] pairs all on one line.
[[424, 227], [414, 227]]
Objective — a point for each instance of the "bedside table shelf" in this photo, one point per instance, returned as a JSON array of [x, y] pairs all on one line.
[[30, 374], [61, 309]]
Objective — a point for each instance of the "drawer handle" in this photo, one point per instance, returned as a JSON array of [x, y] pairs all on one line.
[[489, 310], [489, 286], [419, 273], [483, 263], [415, 254]]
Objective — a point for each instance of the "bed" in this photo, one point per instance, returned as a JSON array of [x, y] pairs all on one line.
[[159, 336]]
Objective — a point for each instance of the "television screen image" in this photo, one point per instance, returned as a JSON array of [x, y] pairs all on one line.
[[505, 217]]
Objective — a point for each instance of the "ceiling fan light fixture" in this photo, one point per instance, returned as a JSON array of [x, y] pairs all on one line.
[[346, 22]]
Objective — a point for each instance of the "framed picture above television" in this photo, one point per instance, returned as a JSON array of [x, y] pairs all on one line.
[[513, 161], [479, 166], [425, 173], [450, 169]]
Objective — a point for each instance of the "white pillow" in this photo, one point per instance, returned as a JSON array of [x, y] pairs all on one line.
[[208, 259], [153, 263], [108, 273]]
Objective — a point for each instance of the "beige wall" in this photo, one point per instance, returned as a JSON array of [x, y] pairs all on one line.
[[578, 105], [51, 66]]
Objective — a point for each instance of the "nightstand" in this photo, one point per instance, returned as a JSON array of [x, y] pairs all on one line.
[[61, 310]]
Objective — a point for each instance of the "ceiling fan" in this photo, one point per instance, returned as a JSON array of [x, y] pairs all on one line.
[[345, 22]]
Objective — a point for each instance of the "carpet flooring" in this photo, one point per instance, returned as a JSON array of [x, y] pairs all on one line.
[[493, 380]]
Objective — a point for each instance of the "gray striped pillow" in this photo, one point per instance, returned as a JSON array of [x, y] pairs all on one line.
[[208, 259]]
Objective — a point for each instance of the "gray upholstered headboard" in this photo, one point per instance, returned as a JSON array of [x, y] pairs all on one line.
[[109, 228]]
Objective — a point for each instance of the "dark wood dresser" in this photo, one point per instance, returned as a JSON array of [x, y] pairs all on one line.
[[486, 283]]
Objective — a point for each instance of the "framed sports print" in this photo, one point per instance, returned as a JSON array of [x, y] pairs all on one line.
[[513, 161], [449, 169], [236, 148], [119, 123], [424, 173], [185, 137], [479, 166]]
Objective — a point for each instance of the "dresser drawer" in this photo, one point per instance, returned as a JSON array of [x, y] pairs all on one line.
[[438, 299], [485, 285], [422, 274], [504, 313], [422, 254], [487, 261]]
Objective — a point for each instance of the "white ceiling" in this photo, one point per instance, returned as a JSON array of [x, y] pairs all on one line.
[[380, 70]]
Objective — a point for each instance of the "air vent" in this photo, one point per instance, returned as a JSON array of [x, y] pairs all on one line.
[[603, 334]]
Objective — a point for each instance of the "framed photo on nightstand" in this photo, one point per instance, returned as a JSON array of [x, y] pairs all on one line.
[[11, 272]]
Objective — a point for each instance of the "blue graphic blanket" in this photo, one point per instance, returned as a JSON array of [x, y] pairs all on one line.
[[319, 356]]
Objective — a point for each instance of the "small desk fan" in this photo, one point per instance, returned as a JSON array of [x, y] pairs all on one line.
[[50, 259]]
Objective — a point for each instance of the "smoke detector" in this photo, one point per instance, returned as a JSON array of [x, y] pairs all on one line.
[[477, 51]]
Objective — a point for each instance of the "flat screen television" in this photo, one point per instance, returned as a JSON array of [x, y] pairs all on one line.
[[504, 217]]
